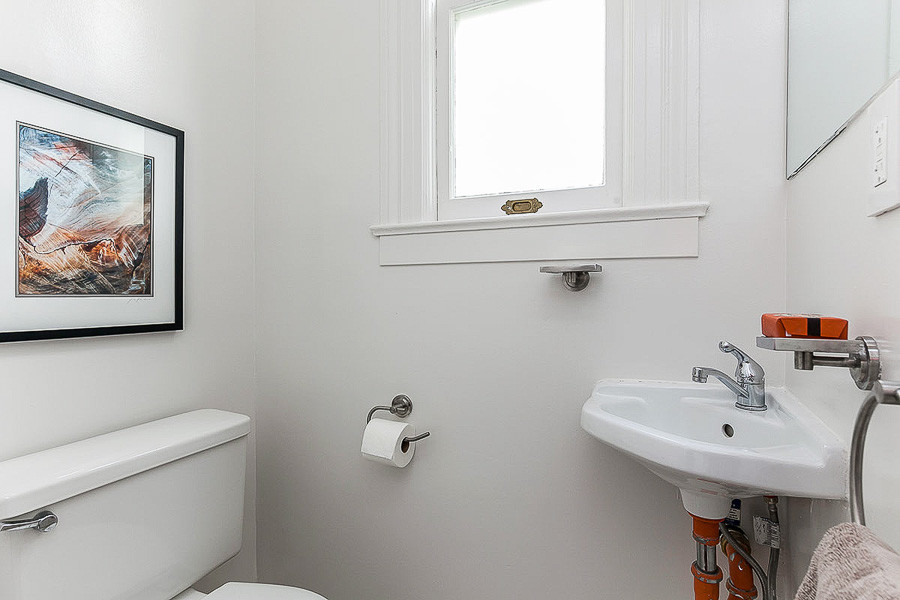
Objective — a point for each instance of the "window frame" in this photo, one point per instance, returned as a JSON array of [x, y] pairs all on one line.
[[660, 152], [608, 195]]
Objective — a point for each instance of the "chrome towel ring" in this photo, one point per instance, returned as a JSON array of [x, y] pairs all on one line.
[[884, 392]]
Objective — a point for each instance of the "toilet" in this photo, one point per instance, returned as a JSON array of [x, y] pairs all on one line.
[[137, 514]]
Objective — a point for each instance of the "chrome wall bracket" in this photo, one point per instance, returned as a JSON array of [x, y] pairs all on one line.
[[43, 522], [575, 277], [860, 355], [401, 406]]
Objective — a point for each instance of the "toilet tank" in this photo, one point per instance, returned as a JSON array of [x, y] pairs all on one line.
[[143, 512]]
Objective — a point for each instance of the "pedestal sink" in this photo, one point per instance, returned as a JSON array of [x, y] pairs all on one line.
[[692, 436]]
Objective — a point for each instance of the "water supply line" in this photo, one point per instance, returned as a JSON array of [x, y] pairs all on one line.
[[774, 550], [760, 574], [734, 538], [740, 576]]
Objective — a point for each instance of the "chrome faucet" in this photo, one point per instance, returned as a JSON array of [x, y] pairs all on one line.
[[750, 386]]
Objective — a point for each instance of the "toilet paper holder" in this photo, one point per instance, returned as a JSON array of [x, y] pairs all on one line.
[[401, 406]]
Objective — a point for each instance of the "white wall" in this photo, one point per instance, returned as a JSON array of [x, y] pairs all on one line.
[[508, 499], [841, 262], [189, 65]]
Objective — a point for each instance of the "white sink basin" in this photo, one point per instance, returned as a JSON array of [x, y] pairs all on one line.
[[693, 436]]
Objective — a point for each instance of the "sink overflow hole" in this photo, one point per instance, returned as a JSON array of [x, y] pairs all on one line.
[[728, 430]]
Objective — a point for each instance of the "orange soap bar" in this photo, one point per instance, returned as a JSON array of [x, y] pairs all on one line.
[[804, 326]]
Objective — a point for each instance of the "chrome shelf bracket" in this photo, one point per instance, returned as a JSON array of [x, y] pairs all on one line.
[[861, 355], [575, 277]]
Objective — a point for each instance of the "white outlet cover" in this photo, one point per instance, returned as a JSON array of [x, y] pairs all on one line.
[[879, 144], [883, 117]]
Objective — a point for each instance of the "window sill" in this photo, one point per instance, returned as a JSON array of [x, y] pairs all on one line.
[[664, 231]]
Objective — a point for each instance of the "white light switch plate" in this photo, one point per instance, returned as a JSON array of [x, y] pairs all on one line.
[[879, 148], [883, 117]]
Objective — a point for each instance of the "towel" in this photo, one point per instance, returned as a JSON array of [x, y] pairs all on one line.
[[850, 563]]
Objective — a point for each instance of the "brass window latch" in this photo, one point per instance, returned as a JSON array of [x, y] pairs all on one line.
[[521, 207]]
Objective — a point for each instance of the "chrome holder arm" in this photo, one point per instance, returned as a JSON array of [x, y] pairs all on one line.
[[861, 355], [43, 522], [401, 406]]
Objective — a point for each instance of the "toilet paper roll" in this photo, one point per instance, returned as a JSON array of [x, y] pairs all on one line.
[[383, 442]]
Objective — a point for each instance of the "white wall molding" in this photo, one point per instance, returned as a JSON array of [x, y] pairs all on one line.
[[659, 238], [661, 101], [408, 179], [602, 215]]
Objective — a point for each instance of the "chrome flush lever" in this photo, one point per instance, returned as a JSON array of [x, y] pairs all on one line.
[[44, 521]]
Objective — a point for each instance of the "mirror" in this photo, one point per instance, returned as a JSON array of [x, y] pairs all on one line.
[[841, 53]]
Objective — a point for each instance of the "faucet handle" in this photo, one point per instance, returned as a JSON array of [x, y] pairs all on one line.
[[729, 348], [755, 370]]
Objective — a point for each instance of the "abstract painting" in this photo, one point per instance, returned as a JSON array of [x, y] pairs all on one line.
[[85, 217], [92, 202]]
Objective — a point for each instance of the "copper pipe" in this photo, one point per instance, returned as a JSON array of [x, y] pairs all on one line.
[[707, 575]]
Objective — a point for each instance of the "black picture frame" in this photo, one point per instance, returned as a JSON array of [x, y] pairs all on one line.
[[176, 322]]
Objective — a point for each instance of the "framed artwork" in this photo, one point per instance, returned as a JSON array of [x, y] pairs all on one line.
[[91, 217]]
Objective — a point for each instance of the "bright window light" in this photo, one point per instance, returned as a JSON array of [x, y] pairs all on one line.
[[528, 96]]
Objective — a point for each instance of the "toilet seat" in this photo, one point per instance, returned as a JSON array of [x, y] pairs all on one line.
[[261, 591]]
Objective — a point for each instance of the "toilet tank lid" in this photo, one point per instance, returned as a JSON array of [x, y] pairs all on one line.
[[33, 481]]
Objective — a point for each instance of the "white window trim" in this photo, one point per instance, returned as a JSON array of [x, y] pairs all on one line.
[[660, 179], [575, 198]]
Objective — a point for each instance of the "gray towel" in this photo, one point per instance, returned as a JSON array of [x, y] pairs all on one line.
[[850, 563]]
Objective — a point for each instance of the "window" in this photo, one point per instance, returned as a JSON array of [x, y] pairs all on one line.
[[591, 106], [521, 106]]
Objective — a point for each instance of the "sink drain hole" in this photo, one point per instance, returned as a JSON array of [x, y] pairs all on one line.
[[728, 430]]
